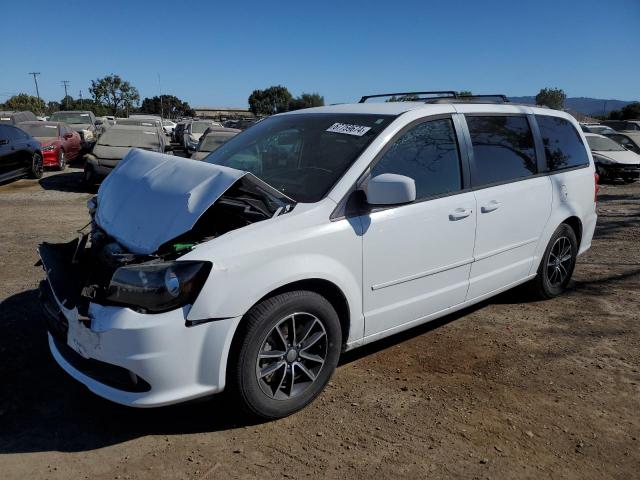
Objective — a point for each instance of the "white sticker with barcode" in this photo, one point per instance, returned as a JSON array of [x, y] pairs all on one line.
[[348, 129]]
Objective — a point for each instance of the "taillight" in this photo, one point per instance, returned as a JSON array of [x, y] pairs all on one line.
[[596, 178]]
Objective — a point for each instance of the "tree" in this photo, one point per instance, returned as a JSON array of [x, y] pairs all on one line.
[[402, 98], [272, 100], [628, 112], [24, 101], [307, 100], [172, 107], [551, 97], [116, 94], [465, 93]]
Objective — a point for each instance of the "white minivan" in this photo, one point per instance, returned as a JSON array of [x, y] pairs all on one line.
[[309, 234]]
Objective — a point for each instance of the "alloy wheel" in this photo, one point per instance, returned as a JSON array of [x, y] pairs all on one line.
[[559, 261], [291, 356]]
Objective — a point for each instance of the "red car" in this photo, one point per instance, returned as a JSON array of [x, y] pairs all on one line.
[[59, 143]]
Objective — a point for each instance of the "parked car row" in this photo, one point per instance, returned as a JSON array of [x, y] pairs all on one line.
[[615, 145]]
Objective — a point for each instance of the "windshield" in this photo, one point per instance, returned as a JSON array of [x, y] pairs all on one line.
[[70, 117], [302, 155], [601, 130], [603, 144], [129, 138], [212, 141], [200, 127], [36, 130]]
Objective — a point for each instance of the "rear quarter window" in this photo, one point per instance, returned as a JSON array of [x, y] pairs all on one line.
[[503, 149], [563, 146]]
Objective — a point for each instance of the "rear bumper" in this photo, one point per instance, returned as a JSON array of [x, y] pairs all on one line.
[[131, 358], [50, 158]]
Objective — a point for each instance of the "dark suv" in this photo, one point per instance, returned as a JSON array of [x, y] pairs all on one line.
[[20, 154]]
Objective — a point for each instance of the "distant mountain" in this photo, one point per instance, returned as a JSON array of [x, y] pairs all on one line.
[[586, 105]]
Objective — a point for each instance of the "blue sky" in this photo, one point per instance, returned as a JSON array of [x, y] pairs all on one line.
[[216, 53]]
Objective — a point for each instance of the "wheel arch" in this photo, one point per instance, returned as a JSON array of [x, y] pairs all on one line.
[[576, 225], [329, 290]]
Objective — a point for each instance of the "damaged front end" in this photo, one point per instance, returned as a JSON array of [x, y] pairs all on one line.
[[151, 210]]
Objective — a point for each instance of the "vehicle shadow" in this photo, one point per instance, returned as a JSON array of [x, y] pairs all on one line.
[[43, 409], [66, 182]]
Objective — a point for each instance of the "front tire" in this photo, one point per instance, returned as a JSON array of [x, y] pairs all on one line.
[[286, 349], [558, 262], [88, 177]]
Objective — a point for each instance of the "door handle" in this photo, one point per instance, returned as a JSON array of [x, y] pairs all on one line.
[[491, 206], [460, 213]]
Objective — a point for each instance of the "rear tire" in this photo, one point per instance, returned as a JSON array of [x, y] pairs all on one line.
[[557, 264], [37, 167], [285, 351]]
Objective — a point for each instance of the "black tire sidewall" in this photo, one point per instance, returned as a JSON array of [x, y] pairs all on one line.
[[37, 172], [260, 323], [549, 290]]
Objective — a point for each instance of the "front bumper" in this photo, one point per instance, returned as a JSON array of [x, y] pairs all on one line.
[[620, 170], [99, 169], [135, 359]]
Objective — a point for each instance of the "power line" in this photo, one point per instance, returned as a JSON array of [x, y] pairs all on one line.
[[35, 80]]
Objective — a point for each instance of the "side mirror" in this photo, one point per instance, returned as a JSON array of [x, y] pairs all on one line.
[[98, 122], [390, 189]]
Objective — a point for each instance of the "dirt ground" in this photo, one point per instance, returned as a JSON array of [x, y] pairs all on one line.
[[508, 389]]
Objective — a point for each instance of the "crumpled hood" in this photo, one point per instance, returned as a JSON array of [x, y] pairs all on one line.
[[626, 157], [151, 198]]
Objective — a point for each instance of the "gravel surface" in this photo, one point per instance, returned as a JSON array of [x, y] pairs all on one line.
[[511, 388]]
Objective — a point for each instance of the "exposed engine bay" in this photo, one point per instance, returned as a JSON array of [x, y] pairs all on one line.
[[97, 268]]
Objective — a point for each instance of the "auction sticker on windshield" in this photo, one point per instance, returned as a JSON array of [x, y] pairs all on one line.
[[348, 129]]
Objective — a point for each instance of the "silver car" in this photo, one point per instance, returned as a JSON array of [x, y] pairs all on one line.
[[115, 143]]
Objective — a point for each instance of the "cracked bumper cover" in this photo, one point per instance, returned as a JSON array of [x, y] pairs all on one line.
[[177, 362]]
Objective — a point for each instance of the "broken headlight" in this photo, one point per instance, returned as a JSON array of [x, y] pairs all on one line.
[[157, 287]]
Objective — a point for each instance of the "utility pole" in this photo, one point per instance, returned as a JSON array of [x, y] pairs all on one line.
[[35, 80], [65, 83], [161, 107]]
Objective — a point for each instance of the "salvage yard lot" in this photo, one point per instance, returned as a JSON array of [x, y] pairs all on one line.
[[510, 388]]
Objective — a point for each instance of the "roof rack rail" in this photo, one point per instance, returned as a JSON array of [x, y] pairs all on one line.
[[498, 98], [449, 93]]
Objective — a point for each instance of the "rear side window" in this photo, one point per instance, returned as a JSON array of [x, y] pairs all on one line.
[[428, 153], [503, 149], [563, 146]]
